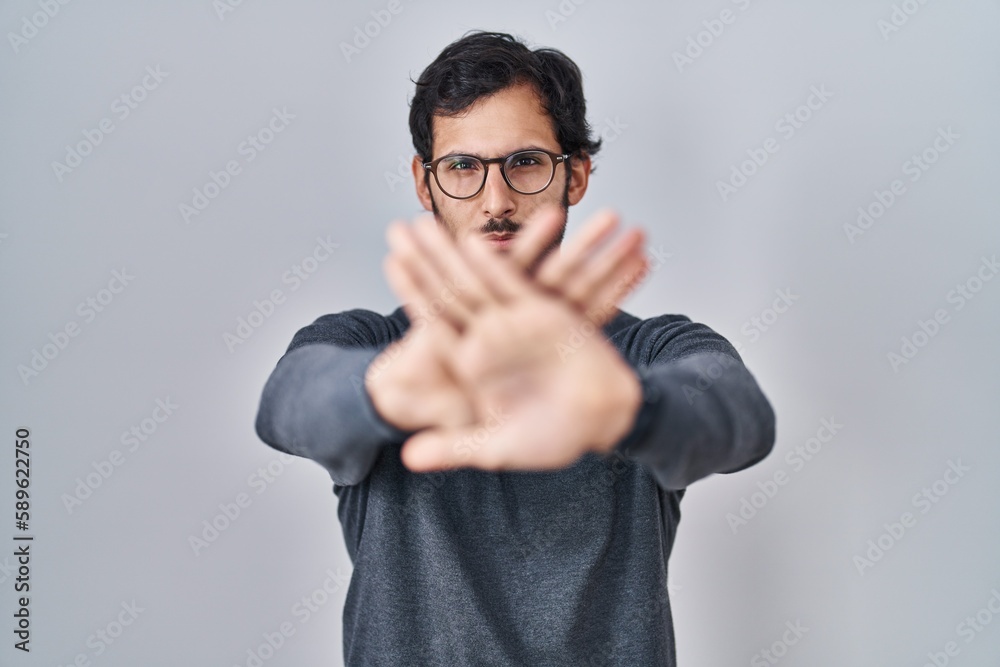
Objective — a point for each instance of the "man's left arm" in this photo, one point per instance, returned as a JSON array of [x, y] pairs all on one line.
[[702, 411], [508, 343]]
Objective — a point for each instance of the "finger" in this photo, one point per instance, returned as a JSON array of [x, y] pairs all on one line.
[[501, 276], [556, 269], [443, 334], [508, 445], [450, 448], [423, 280], [537, 236], [419, 310], [602, 270], [458, 280], [403, 285], [603, 304]]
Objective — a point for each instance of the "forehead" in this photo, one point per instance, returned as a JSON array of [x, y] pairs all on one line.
[[510, 119]]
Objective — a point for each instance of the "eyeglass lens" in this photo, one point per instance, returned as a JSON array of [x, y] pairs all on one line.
[[528, 172]]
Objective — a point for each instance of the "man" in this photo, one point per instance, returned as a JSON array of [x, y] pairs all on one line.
[[509, 449]]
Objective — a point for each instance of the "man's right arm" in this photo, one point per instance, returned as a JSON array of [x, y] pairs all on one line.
[[315, 403], [318, 402]]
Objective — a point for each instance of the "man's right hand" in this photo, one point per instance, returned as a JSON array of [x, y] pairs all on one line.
[[594, 281], [409, 383]]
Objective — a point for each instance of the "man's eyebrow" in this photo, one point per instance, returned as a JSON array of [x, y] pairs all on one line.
[[529, 147]]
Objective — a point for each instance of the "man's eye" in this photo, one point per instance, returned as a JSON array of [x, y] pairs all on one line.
[[461, 165], [526, 161]]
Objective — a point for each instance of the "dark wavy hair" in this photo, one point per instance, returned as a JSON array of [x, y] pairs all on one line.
[[481, 63]]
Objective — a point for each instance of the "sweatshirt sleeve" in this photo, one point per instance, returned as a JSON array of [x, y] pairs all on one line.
[[702, 411], [315, 403]]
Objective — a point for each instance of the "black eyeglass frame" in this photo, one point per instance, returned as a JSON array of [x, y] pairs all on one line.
[[556, 158]]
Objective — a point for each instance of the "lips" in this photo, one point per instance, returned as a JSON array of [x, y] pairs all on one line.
[[500, 240]]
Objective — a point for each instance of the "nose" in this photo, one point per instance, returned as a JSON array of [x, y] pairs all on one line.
[[498, 199]]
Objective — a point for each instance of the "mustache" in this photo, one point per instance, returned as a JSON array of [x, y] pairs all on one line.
[[500, 226]]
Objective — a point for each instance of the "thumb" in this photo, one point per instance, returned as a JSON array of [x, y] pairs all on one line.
[[443, 448]]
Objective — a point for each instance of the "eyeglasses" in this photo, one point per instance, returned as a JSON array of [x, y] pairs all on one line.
[[463, 176]]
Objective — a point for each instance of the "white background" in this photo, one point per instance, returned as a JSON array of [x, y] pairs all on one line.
[[331, 173]]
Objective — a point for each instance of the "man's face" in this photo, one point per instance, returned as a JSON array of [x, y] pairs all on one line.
[[510, 120]]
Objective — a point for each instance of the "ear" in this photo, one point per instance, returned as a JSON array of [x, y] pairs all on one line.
[[578, 178], [422, 183]]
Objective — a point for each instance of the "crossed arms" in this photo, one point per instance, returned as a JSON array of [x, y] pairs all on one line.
[[487, 349]]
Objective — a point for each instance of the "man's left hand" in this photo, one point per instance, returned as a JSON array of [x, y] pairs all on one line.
[[547, 386]]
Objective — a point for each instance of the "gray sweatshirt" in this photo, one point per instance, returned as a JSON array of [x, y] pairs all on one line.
[[473, 567]]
